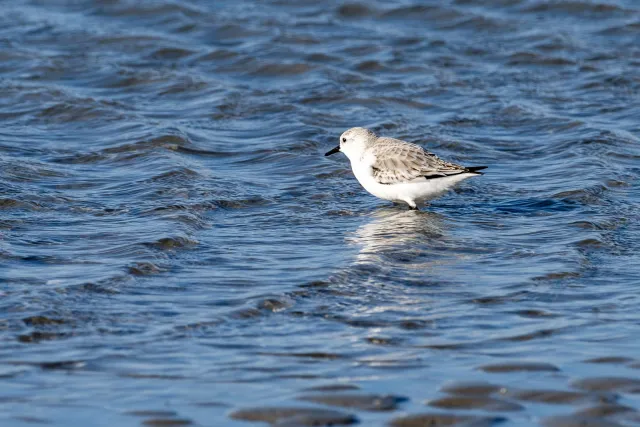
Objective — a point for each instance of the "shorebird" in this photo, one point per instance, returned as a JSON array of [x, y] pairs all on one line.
[[400, 171]]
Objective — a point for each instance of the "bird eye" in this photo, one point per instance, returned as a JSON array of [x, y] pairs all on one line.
[[344, 139]]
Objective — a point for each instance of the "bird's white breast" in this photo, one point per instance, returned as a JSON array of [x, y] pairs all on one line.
[[403, 192]]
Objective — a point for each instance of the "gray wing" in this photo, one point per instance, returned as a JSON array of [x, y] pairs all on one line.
[[398, 161]]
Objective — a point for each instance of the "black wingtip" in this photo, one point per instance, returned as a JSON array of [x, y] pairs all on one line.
[[475, 169]]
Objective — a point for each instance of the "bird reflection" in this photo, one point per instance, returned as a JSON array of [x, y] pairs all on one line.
[[392, 231]]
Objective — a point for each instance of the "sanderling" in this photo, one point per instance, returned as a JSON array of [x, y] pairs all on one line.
[[397, 170]]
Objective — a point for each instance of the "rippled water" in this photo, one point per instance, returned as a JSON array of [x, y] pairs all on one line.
[[174, 248]]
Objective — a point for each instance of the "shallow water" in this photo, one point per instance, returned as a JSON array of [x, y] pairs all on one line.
[[175, 249]]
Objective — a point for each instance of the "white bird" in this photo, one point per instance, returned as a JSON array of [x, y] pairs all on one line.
[[397, 170]]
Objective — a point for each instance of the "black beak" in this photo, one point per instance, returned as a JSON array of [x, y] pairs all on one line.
[[334, 151]]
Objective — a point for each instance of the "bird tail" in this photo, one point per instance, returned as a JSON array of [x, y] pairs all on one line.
[[475, 169]]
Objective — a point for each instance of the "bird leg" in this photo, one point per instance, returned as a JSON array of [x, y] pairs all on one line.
[[412, 205]]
